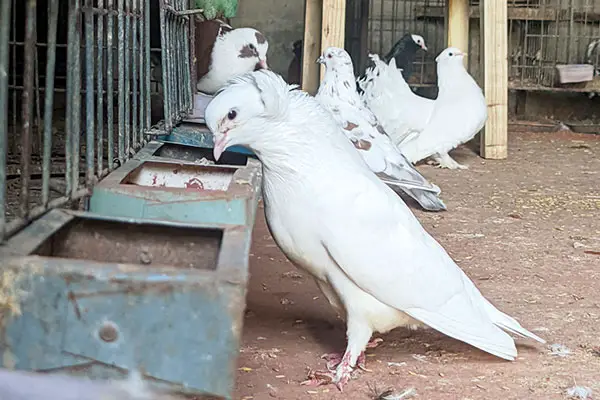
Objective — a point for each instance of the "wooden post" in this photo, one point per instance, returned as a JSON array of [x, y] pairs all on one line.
[[333, 28], [494, 140], [458, 25], [311, 45]]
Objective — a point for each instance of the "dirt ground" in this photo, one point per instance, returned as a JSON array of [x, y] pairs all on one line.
[[526, 230]]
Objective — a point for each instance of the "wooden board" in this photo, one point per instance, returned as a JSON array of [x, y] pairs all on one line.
[[458, 26], [494, 140], [312, 45]]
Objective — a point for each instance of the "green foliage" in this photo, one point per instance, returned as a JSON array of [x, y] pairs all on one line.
[[218, 8]]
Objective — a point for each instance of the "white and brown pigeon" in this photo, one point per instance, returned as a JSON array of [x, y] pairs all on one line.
[[235, 52], [333, 218], [337, 93]]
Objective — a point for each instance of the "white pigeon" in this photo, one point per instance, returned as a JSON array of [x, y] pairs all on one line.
[[337, 93], [235, 52], [402, 113], [333, 218], [458, 114]]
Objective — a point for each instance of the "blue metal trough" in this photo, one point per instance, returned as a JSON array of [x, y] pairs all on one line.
[[85, 294]]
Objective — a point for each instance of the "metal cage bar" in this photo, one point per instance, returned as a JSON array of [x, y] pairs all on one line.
[[58, 85]]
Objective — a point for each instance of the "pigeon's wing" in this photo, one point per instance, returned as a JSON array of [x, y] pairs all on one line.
[[384, 250], [376, 148]]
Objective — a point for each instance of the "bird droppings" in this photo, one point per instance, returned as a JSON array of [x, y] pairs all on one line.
[[528, 258], [579, 393], [559, 350]]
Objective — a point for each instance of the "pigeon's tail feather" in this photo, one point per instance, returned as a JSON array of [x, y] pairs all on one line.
[[508, 323], [486, 337], [428, 200]]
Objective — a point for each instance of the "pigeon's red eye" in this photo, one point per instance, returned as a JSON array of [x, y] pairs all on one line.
[[232, 114]]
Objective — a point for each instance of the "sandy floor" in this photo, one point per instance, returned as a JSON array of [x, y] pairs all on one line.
[[526, 230]]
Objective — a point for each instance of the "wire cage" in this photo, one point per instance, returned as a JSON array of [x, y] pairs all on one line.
[[544, 34], [373, 26], [75, 94]]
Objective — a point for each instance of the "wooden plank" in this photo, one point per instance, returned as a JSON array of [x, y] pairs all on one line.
[[494, 140], [458, 26], [311, 45], [333, 27]]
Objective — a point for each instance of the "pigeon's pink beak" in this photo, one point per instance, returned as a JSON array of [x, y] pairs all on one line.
[[263, 64], [424, 47], [220, 145]]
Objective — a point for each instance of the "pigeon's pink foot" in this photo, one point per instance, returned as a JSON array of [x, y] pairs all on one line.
[[374, 343], [343, 373], [333, 360], [318, 378], [361, 362]]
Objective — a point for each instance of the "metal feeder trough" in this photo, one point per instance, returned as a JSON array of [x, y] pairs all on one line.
[[87, 295], [183, 184]]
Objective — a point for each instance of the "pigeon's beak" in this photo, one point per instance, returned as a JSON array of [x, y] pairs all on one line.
[[424, 47], [262, 63], [221, 143], [320, 60]]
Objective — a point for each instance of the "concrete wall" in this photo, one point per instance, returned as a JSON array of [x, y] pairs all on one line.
[[281, 21]]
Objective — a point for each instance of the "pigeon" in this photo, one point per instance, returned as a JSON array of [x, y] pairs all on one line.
[[404, 52], [401, 112], [593, 57], [337, 93], [333, 218], [458, 114], [235, 52]]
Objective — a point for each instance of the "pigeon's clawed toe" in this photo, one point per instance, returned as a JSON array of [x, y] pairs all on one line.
[[333, 360], [318, 378]]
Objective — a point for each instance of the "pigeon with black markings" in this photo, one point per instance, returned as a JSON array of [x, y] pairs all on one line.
[[333, 218], [235, 52], [337, 93]]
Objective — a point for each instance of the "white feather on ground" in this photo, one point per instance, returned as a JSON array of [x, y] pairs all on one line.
[[458, 114], [335, 219], [337, 93]]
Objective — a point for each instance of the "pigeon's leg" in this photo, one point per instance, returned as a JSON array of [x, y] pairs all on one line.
[[358, 333], [334, 359], [362, 358], [445, 161]]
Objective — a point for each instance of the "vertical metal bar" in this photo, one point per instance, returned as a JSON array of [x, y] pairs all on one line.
[[141, 49], [27, 106], [49, 99], [14, 135], [121, 71], [110, 125], [147, 62], [127, 78], [100, 88], [177, 39], [75, 117], [165, 53], [38, 120], [5, 14], [189, 41], [89, 94], [135, 58]]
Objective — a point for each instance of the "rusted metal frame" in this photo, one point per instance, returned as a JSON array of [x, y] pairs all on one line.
[[134, 78], [89, 95], [183, 12], [49, 98], [5, 13], [100, 89], [166, 60], [121, 72], [127, 81], [104, 11], [147, 65], [27, 106], [110, 125]]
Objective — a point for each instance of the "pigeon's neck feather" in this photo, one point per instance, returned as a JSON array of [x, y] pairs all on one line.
[[339, 84]]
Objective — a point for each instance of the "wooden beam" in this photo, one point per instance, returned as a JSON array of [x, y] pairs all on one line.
[[333, 27], [311, 45], [458, 26], [494, 140]]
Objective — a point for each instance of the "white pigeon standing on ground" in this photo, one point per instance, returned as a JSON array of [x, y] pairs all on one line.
[[458, 114], [235, 52], [337, 93], [333, 218], [402, 113]]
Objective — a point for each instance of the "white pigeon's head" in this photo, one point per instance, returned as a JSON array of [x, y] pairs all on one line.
[[451, 56], [239, 112], [336, 59], [242, 49], [418, 39]]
